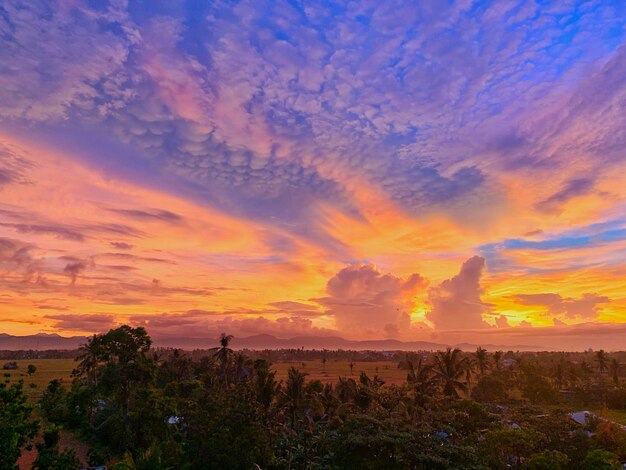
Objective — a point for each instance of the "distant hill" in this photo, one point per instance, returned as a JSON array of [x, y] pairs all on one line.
[[44, 341], [40, 341]]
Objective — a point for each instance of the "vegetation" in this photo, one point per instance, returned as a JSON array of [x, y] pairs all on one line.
[[139, 408]]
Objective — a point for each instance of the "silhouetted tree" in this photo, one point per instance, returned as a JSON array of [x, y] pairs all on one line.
[[497, 359], [223, 354], [482, 360], [451, 367], [614, 368], [16, 425], [602, 360]]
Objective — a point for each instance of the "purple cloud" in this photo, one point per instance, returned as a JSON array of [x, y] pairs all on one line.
[[456, 303]]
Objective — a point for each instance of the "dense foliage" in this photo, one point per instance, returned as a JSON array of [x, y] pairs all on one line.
[[138, 409]]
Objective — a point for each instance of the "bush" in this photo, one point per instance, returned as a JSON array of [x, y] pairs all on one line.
[[547, 460], [490, 389], [601, 460]]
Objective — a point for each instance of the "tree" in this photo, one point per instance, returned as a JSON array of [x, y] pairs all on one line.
[[118, 374], [450, 367], [422, 380], [470, 367], [54, 402], [614, 367], [482, 360], [50, 457], [507, 447], [537, 388], [490, 389], [126, 366], [266, 386], [547, 460], [89, 358], [223, 354], [602, 360], [497, 359], [559, 374], [599, 459], [31, 369], [16, 425], [294, 393]]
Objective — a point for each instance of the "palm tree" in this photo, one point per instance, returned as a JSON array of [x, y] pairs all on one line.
[[241, 365], [266, 385], [602, 360], [585, 370], [89, 357], [294, 392], [223, 353], [470, 367], [559, 374], [421, 378], [450, 367], [294, 399], [614, 368], [482, 359], [497, 357]]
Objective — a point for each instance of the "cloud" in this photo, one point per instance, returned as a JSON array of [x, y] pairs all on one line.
[[153, 214], [364, 301], [502, 321], [60, 231], [15, 252], [456, 302], [17, 257], [586, 307], [122, 245], [115, 229], [74, 269], [586, 245], [130, 257], [573, 188], [297, 308], [204, 323], [87, 322], [283, 327], [42, 37], [13, 168]]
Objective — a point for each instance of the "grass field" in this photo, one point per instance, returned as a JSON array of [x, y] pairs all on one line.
[[386, 370], [618, 416], [47, 370]]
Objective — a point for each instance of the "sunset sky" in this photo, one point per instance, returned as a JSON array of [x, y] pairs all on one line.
[[440, 171]]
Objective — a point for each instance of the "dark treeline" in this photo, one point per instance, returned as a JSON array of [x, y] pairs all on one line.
[[137, 408], [276, 355], [37, 354]]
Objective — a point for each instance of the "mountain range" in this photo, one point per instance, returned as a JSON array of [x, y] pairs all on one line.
[[43, 341]]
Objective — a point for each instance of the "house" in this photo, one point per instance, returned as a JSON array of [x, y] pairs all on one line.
[[174, 419], [581, 416], [508, 362]]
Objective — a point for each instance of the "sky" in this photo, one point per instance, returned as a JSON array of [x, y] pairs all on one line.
[[447, 171]]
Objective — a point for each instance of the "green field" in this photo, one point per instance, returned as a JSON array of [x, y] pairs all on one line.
[[47, 370], [386, 370], [617, 416]]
